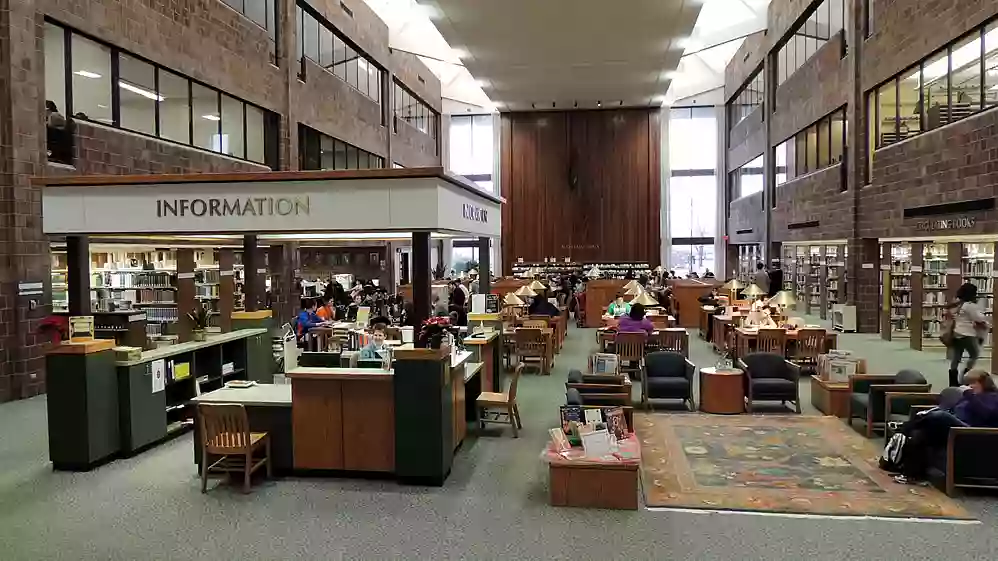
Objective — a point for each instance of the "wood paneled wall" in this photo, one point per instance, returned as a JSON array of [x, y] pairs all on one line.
[[581, 184]]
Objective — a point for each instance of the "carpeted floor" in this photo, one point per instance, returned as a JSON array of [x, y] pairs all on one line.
[[493, 506], [770, 463]]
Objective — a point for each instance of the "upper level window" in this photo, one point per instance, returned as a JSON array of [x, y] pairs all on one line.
[[320, 151], [748, 179], [412, 110], [948, 85], [751, 96], [151, 100], [319, 42], [816, 147], [827, 19], [472, 148], [264, 13]]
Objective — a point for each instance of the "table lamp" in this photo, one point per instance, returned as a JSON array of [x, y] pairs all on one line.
[[783, 300], [634, 291], [594, 273], [525, 291], [731, 287], [512, 299], [753, 291], [630, 285], [645, 300], [537, 285]]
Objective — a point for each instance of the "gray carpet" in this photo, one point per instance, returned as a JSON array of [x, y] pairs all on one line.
[[494, 506]]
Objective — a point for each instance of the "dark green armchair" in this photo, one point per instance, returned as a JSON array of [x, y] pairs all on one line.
[[868, 395], [899, 406]]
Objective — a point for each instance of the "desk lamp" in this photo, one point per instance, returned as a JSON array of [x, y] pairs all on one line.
[[753, 292], [636, 290], [594, 273], [537, 285], [783, 300], [525, 290], [631, 285], [732, 287], [512, 299], [645, 300]]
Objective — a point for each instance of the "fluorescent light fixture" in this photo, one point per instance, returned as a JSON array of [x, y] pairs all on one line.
[[144, 93], [211, 117], [87, 74], [347, 236]]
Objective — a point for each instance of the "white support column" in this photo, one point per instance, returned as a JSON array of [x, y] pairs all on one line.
[[666, 238], [720, 248]]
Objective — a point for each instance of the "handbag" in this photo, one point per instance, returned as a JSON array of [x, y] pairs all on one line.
[[949, 323]]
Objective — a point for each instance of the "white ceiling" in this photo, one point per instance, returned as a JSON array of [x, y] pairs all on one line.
[[532, 53]]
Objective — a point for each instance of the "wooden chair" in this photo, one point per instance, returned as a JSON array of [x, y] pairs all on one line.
[[535, 323], [675, 340], [506, 404], [771, 340], [810, 344], [630, 349], [225, 433], [532, 348]]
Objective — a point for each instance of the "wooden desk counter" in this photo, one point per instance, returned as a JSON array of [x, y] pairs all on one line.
[[343, 419]]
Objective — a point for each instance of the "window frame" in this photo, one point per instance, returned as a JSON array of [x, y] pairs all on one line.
[[351, 51], [310, 142]]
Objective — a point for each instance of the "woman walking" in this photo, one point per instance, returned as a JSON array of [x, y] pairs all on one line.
[[969, 327]]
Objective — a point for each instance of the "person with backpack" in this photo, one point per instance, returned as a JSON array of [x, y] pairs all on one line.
[[964, 331]]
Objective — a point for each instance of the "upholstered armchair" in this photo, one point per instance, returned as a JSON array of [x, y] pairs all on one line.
[[668, 375], [868, 395], [970, 458], [770, 377]]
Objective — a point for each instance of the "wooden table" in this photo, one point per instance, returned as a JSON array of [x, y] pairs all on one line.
[[589, 483], [705, 315], [722, 391], [510, 335], [722, 325], [606, 336], [830, 398], [745, 340]]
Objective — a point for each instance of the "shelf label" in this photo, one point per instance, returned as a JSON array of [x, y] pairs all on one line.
[[225, 273], [136, 317], [916, 268], [953, 271], [261, 271], [519, 260], [867, 265], [185, 275], [884, 267]]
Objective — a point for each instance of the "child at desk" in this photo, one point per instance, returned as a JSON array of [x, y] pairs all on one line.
[[372, 350], [618, 307]]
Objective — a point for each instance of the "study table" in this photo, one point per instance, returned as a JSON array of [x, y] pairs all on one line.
[[510, 335], [745, 340], [673, 339], [405, 422]]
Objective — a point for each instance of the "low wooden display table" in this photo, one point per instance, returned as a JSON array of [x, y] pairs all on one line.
[[722, 391], [593, 483], [831, 398]]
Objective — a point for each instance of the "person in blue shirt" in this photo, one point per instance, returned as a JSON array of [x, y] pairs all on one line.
[[307, 318], [377, 343]]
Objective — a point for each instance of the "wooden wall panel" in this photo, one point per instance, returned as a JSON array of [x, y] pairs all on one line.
[[581, 184]]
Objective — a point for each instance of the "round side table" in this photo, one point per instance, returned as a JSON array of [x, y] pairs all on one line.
[[721, 391]]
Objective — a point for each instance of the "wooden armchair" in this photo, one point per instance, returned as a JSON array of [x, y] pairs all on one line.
[[810, 344], [771, 340], [532, 348], [630, 348], [535, 323], [225, 434], [970, 458], [502, 405], [674, 340], [867, 395]]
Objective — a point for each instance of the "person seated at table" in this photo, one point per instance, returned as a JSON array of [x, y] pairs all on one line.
[[307, 319], [635, 321], [759, 318], [542, 307], [618, 307], [928, 433], [377, 343], [707, 274], [326, 311]]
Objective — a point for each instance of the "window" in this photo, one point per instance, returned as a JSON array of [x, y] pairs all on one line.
[[91, 67], [410, 109], [944, 87], [684, 259], [816, 147], [154, 101], [751, 96], [692, 122], [869, 17], [748, 179], [472, 148], [824, 22], [137, 84], [317, 151], [322, 43], [264, 14], [692, 206]]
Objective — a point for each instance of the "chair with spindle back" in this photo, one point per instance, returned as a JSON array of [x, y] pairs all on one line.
[[810, 344], [532, 348], [771, 340], [630, 348], [535, 323], [501, 401], [675, 340], [225, 433]]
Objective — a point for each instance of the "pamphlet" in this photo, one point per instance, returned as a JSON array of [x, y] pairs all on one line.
[[570, 414], [158, 375], [478, 303], [597, 444], [616, 423], [559, 439], [594, 416], [604, 363]]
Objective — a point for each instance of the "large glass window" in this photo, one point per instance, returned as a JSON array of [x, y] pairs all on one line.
[[137, 83], [263, 13], [152, 100], [991, 66], [472, 148], [935, 91], [323, 44], [412, 110], [317, 151], [692, 206], [814, 148], [91, 67], [684, 259], [751, 97], [692, 193], [827, 19], [692, 123], [748, 179]]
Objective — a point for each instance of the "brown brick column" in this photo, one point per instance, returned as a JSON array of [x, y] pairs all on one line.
[[864, 282]]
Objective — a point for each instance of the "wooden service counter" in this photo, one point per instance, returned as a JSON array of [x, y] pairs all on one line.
[[405, 422], [685, 294]]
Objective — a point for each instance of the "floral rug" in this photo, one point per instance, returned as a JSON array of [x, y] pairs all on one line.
[[791, 464]]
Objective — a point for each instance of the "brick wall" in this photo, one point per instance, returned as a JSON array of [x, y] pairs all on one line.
[[746, 128], [746, 213], [814, 197], [813, 91], [745, 62], [957, 162], [748, 150], [361, 25], [411, 71], [782, 16], [906, 31]]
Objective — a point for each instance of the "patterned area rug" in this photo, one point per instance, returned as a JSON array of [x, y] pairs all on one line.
[[785, 464]]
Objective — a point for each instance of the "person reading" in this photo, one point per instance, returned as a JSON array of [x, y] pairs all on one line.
[[307, 318], [635, 321], [540, 306], [618, 307], [372, 350], [326, 311]]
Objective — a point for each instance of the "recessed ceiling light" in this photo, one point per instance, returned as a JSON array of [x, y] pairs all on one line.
[[211, 117], [87, 74]]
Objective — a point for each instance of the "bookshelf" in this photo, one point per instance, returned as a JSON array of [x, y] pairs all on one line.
[[835, 278], [748, 256], [977, 268], [60, 286], [934, 291], [800, 277], [789, 270], [815, 292], [900, 291], [609, 269]]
